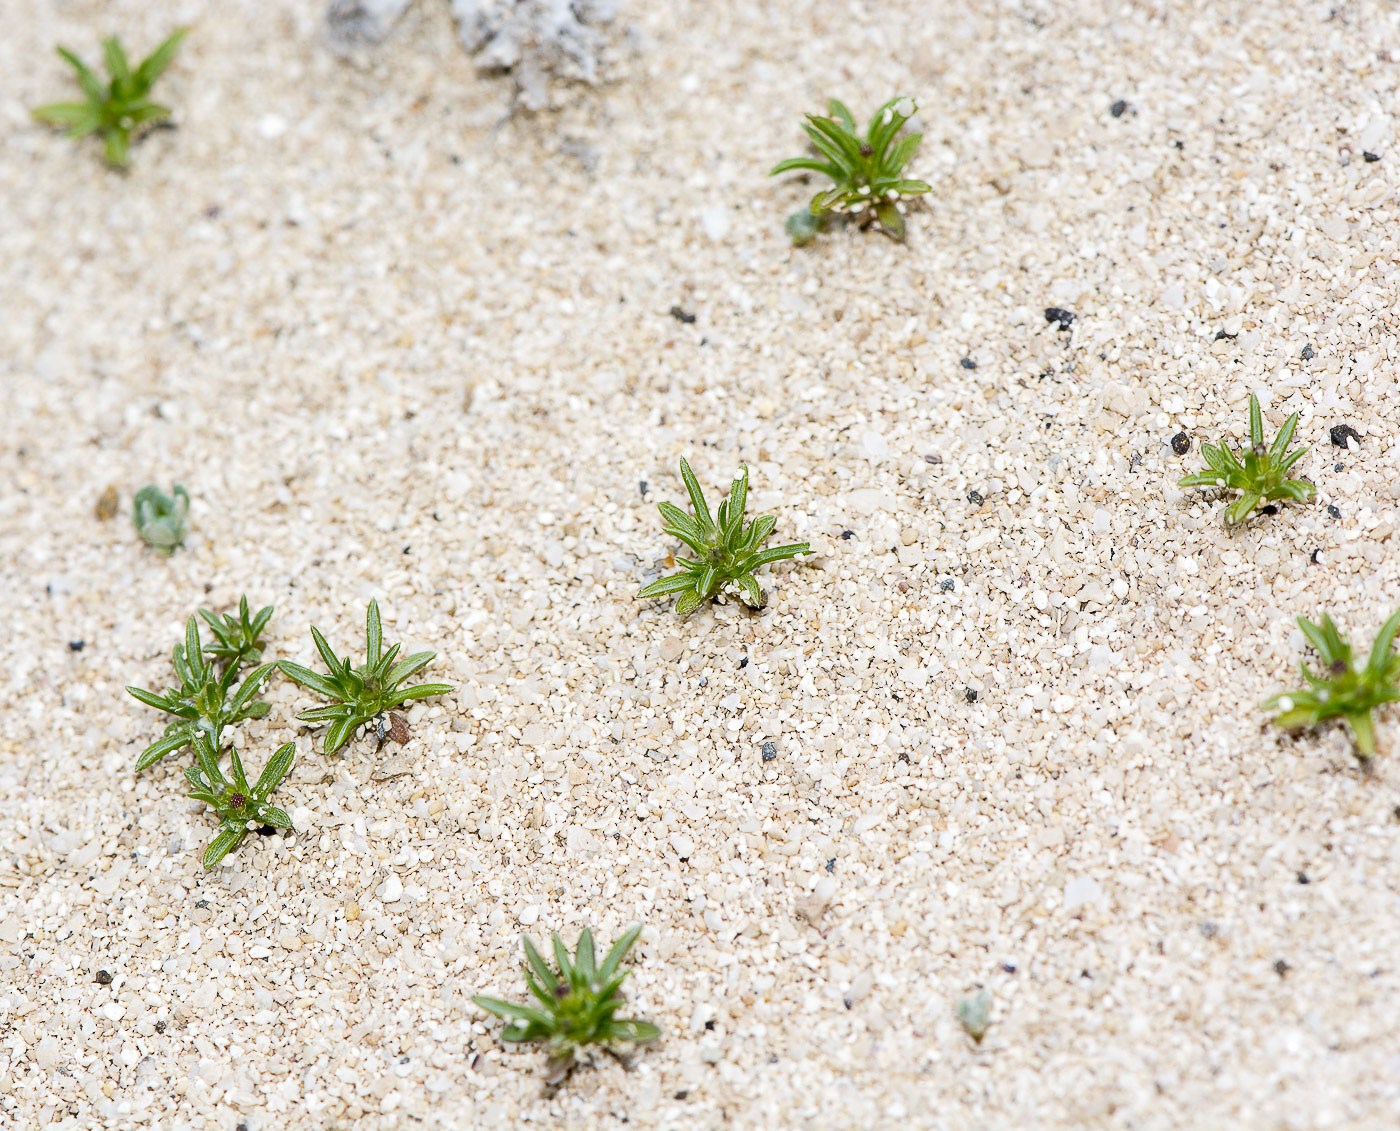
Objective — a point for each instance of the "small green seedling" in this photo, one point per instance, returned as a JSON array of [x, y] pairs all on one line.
[[726, 551], [237, 640], [867, 172], [160, 518], [361, 693], [975, 1014], [240, 808], [205, 702], [1262, 476], [1340, 690], [576, 1004], [115, 108]]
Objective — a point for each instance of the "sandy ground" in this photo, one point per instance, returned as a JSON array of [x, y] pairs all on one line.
[[397, 346]]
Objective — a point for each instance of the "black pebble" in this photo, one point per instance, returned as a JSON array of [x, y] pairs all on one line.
[[847, 535], [1314, 555], [1340, 434], [104, 978], [1334, 510], [971, 695], [946, 585], [77, 645], [1181, 443], [682, 315], [202, 903], [1008, 967], [1281, 968], [1221, 335], [643, 486], [1056, 314], [831, 864], [975, 498], [710, 1026], [744, 662], [682, 1094], [1118, 109], [770, 751], [1369, 157], [968, 363], [160, 1026], [1308, 353], [1304, 878]]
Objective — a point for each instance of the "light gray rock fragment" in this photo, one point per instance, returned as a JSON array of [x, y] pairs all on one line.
[[360, 23], [536, 41]]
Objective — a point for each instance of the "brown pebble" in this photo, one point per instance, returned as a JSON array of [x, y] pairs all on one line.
[[108, 503]]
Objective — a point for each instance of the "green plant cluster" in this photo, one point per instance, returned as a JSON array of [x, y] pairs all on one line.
[[866, 171], [1339, 690], [1261, 476], [213, 694], [361, 693], [727, 552], [113, 109], [575, 1004]]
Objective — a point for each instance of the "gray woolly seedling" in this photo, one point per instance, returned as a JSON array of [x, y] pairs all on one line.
[[160, 518]]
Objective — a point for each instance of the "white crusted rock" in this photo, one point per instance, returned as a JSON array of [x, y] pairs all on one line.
[[535, 40]]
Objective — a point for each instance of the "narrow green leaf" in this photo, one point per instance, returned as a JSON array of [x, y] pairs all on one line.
[[307, 678], [92, 86], [561, 956], [639, 1031], [229, 837], [155, 64], [697, 498], [332, 661], [808, 164], [891, 218], [277, 768], [1379, 657], [374, 632], [116, 145], [619, 952], [160, 748], [538, 964], [115, 58], [240, 779], [673, 584]]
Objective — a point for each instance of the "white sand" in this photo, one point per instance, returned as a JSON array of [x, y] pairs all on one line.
[[397, 349]]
